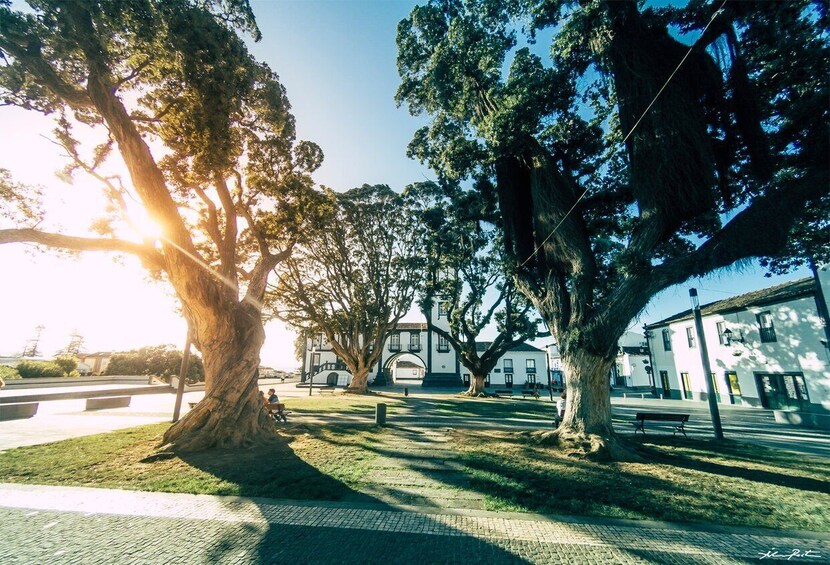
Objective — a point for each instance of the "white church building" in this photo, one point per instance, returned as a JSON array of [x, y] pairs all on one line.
[[415, 355]]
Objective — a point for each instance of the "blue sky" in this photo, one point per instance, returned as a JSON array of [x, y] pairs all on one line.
[[337, 62]]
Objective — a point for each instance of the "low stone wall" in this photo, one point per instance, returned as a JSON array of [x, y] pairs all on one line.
[[19, 384], [18, 411]]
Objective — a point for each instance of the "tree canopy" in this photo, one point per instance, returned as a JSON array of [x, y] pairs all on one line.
[[163, 361], [207, 139], [355, 278], [625, 160], [468, 274]]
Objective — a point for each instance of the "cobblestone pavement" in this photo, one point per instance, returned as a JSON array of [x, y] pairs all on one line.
[[58, 525]]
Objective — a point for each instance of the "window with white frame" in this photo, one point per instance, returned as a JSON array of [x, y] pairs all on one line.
[[395, 342], [530, 365], [666, 340], [766, 327], [690, 337], [443, 309], [443, 344], [722, 333]]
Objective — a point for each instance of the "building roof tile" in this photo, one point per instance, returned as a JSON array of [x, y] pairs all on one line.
[[770, 295], [411, 326], [483, 345]]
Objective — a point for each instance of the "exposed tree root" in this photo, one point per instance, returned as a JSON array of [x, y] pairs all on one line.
[[478, 394], [588, 446], [203, 428]]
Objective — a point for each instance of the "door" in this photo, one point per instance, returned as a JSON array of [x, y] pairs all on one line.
[[716, 386], [508, 380], [664, 381], [786, 391], [687, 387], [733, 385]]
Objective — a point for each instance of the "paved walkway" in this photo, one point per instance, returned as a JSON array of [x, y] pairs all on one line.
[[424, 512], [59, 525]]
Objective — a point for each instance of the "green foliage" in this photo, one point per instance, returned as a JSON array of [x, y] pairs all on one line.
[[467, 271], [39, 369], [8, 373], [163, 361], [18, 203], [594, 227], [355, 276], [68, 364], [178, 75]]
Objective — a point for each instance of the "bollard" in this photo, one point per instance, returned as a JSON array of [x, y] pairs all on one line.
[[380, 414], [623, 395], [642, 397], [406, 391]]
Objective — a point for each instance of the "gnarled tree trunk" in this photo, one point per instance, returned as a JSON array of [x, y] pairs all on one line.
[[588, 405], [586, 426], [360, 381], [476, 386], [231, 413]]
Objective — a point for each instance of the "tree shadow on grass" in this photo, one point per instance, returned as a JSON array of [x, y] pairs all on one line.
[[304, 533], [706, 450], [272, 470], [540, 479]]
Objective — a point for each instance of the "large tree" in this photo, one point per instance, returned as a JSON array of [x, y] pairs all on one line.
[[468, 274], [620, 171], [355, 276], [208, 142]]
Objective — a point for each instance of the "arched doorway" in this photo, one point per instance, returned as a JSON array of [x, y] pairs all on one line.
[[405, 367]]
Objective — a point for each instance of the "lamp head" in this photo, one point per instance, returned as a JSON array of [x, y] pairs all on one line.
[[694, 298]]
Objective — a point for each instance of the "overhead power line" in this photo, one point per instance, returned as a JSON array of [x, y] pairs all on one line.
[[634, 127]]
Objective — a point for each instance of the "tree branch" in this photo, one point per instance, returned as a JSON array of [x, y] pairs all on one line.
[[762, 229], [27, 50], [61, 241]]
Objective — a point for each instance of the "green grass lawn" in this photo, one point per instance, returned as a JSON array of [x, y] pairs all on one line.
[[682, 480], [299, 465], [498, 408]]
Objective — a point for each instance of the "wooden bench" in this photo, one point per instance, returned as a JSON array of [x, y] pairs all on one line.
[[18, 410], [108, 402], [530, 392], [504, 392], [641, 418], [278, 413], [329, 389]]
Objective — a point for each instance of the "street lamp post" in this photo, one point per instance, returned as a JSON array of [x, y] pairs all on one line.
[[313, 368], [707, 370], [650, 366], [183, 369]]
